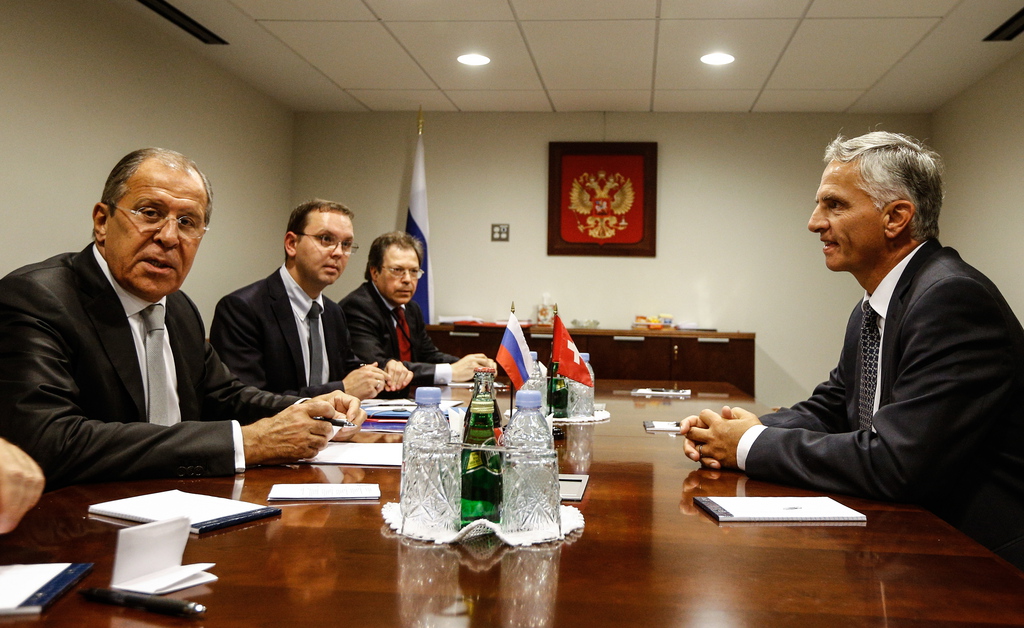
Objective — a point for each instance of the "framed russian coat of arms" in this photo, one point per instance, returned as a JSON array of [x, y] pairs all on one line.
[[602, 198]]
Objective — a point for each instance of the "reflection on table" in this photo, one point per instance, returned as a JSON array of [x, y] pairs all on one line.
[[645, 557]]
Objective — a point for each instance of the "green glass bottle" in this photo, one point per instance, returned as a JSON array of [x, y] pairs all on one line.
[[558, 393], [481, 469]]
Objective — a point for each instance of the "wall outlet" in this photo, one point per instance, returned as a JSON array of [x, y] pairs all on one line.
[[499, 233]]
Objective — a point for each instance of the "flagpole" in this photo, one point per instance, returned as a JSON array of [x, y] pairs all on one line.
[[511, 384]]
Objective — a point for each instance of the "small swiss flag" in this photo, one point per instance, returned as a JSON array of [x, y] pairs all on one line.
[[564, 351]]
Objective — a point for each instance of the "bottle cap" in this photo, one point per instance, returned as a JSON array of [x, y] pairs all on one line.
[[585, 357], [533, 355], [528, 399], [484, 369], [428, 395]]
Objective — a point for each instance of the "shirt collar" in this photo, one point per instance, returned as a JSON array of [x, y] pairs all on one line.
[[298, 298], [880, 298], [388, 302], [132, 304]]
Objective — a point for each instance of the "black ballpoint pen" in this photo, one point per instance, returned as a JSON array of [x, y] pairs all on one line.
[[335, 422], [152, 603]]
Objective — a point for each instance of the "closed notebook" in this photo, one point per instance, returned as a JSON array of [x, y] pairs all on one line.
[[30, 589], [796, 509], [205, 512]]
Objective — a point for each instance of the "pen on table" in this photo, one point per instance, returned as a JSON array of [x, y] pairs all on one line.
[[335, 422], [152, 603]]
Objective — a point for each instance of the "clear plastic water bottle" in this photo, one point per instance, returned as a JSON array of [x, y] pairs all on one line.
[[430, 489], [581, 396], [530, 497], [528, 429], [538, 381]]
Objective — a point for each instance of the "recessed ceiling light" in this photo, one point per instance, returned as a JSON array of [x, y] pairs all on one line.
[[474, 59], [718, 58]]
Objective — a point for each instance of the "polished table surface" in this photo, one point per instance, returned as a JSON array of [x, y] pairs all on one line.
[[646, 556]]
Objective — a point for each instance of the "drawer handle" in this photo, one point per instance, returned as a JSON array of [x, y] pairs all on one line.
[[715, 340], [464, 334], [543, 336], [629, 338]]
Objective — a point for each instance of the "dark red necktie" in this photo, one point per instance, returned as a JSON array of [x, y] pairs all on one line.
[[404, 346]]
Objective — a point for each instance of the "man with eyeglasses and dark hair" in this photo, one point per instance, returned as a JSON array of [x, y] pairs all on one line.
[[105, 373], [280, 333], [386, 324]]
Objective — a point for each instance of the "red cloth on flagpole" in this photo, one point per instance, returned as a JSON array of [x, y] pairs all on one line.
[[563, 351]]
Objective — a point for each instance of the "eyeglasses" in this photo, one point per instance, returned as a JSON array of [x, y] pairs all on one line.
[[151, 220], [329, 242], [398, 273]]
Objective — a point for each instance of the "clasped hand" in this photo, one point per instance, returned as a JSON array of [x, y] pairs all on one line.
[[712, 438]]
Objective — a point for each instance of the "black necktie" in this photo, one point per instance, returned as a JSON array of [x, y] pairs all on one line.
[[869, 341], [316, 346], [157, 382]]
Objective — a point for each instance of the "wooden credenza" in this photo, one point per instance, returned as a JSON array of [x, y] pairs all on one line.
[[626, 353]]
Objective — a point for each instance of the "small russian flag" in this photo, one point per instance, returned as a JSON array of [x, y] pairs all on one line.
[[514, 353]]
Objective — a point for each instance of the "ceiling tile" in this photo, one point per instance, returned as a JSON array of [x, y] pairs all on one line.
[[500, 100], [738, 100], [601, 100], [436, 45], [355, 55], [926, 77], [441, 10], [403, 99], [806, 100], [593, 55], [815, 58], [881, 8], [585, 9], [756, 44], [705, 9], [303, 10]]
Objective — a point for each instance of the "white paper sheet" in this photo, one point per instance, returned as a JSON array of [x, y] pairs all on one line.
[[323, 492], [361, 454]]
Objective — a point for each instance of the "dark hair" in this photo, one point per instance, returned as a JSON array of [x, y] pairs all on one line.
[[300, 215], [892, 167], [117, 181], [400, 239]]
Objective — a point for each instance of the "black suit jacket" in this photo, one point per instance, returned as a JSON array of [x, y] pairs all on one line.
[[949, 431], [71, 391], [375, 338], [255, 333]]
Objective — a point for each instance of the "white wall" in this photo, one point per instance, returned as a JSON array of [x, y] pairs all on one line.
[[734, 195], [84, 83], [980, 134]]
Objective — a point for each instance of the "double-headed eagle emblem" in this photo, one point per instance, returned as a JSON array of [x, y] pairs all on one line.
[[604, 200]]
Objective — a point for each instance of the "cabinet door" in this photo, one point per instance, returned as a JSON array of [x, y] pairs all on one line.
[[630, 357], [714, 359]]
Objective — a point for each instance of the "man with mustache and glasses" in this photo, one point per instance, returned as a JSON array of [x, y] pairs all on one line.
[[105, 373], [385, 322], [280, 334]]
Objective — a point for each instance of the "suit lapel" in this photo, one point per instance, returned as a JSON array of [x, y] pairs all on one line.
[[894, 317], [111, 324], [285, 317], [386, 316]]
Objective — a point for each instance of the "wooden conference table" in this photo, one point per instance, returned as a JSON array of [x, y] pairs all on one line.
[[646, 556]]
